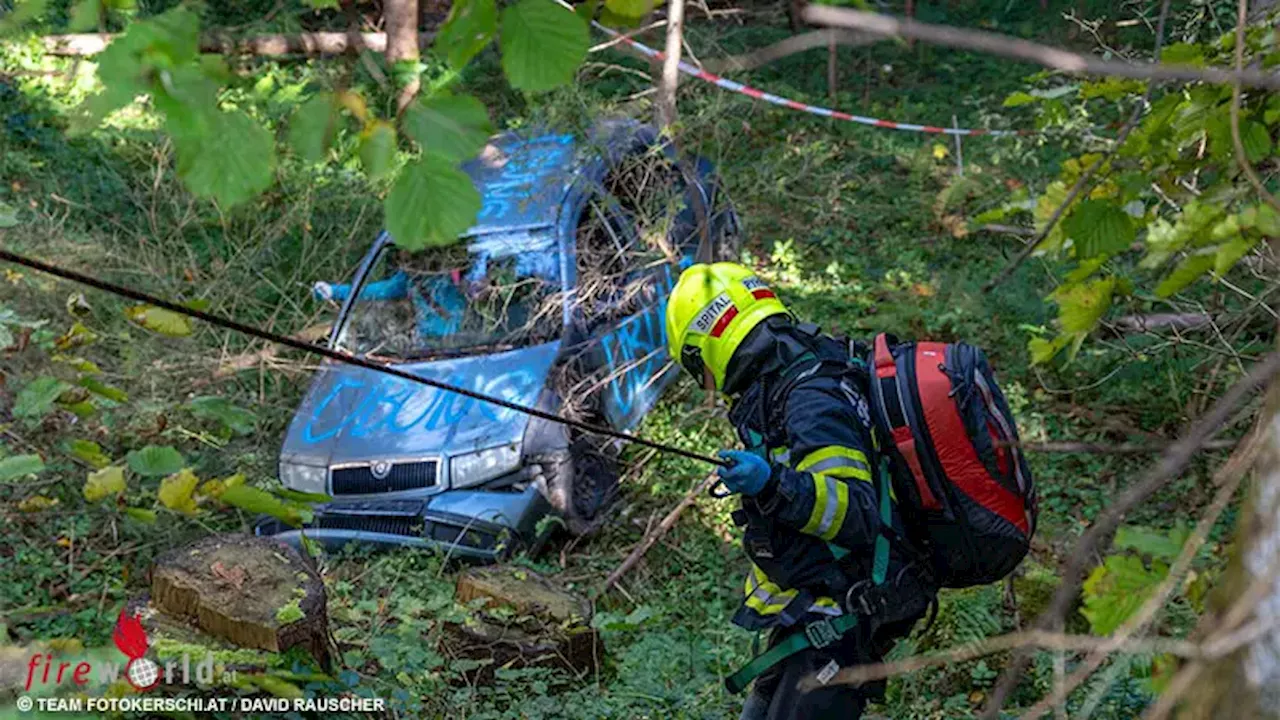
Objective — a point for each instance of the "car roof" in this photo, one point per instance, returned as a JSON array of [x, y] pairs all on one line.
[[523, 178]]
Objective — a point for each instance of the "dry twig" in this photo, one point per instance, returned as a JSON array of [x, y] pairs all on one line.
[[653, 535]]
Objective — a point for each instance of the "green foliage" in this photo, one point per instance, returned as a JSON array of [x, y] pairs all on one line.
[[36, 399], [470, 26], [431, 203], [258, 501], [155, 461], [104, 483], [219, 409], [378, 149], [18, 466], [313, 127], [165, 322], [450, 127], [1116, 589], [542, 45], [1099, 227]]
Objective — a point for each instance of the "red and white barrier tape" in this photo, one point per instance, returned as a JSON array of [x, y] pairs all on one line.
[[751, 92]]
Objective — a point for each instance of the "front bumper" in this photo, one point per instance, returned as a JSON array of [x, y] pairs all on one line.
[[465, 524]]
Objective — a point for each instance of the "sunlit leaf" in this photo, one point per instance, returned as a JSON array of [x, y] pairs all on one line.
[[146, 516], [1192, 267], [431, 203], [36, 503], [23, 12], [89, 451], [217, 486], [304, 497], [255, 500], [155, 461], [165, 322], [470, 26], [323, 4], [231, 162], [176, 491], [1098, 227], [1160, 544], [1256, 140], [634, 9], [97, 387], [1183, 54], [221, 410], [17, 466], [452, 127], [313, 126], [1116, 589], [36, 398], [1081, 306], [542, 45], [76, 336], [378, 148], [1229, 253], [103, 483], [1020, 98]]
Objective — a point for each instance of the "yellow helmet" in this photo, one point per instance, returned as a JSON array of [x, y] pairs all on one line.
[[710, 312]]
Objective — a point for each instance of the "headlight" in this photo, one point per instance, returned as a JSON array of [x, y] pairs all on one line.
[[477, 467], [304, 478]]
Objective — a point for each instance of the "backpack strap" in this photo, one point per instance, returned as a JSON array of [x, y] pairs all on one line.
[[886, 393]]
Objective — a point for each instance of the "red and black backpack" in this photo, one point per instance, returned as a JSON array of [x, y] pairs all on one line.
[[964, 489]]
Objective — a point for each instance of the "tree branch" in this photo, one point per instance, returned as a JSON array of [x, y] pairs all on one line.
[[1242, 158], [788, 47], [1114, 448], [1171, 464], [653, 535], [307, 43], [670, 79], [1046, 55]]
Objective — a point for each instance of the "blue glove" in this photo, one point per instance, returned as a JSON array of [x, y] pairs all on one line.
[[747, 472]]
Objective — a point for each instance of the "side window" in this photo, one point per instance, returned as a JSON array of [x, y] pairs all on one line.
[[380, 321], [650, 192], [606, 254]]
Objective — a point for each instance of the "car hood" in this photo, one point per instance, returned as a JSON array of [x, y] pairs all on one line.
[[353, 414]]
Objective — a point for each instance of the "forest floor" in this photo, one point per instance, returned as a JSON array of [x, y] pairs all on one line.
[[859, 229]]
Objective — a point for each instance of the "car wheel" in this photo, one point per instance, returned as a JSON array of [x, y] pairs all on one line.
[[595, 482], [729, 244]]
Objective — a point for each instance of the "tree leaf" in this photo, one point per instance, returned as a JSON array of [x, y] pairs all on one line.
[[146, 516], [89, 451], [1230, 252], [631, 9], [431, 204], [1256, 140], [542, 45], [215, 488], [1192, 267], [256, 500], [85, 16], [219, 409], [1099, 227], [313, 127], [36, 503], [232, 162], [1183, 54], [1081, 306], [469, 28], [36, 398], [165, 322], [103, 483], [451, 127], [378, 148], [1116, 589], [16, 466], [155, 461], [323, 4], [22, 13], [1160, 544], [1020, 98], [97, 387], [176, 490], [8, 215]]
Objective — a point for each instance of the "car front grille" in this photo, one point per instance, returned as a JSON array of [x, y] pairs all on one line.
[[386, 524], [360, 480]]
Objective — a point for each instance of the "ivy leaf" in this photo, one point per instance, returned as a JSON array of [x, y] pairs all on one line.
[[219, 409], [1116, 589], [313, 126], [36, 399], [1099, 228], [256, 500], [176, 490], [1081, 306], [1256, 140], [542, 45], [1192, 267], [85, 16], [469, 28], [90, 452], [165, 322], [103, 483], [97, 387], [155, 461], [431, 204], [378, 148], [16, 466], [451, 127], [231, 162]]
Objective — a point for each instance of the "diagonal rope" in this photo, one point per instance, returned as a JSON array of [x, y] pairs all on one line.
[[341, 357]]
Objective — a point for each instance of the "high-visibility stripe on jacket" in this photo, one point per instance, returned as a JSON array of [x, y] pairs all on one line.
[[829, 467], [766, 597]]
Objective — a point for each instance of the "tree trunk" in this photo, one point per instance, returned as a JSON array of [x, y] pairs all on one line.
[[666, 101], [401, 18]]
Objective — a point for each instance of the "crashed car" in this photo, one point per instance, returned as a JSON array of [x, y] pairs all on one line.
[[554, 299]]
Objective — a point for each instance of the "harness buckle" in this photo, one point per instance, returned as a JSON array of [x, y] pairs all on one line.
[[821, 633]]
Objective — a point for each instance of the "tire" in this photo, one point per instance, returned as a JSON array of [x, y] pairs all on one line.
[[594, 483], [728, 246]]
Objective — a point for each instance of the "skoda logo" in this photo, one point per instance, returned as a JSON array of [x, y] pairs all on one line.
[[380, 469]]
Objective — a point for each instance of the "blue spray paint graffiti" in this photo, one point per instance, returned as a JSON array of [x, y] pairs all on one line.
[[394, 406], [525, 174], [639, 345]]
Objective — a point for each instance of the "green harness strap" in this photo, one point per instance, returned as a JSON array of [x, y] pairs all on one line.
[[823, 632]]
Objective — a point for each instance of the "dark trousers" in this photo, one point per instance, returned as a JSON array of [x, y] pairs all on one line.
[[776, 696]]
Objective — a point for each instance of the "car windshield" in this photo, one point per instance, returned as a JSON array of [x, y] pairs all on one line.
[[489, 293]]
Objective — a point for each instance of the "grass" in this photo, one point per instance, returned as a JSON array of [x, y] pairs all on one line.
[[851, 225]]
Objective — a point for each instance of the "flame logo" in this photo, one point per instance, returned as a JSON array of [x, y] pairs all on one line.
[[131, 638]]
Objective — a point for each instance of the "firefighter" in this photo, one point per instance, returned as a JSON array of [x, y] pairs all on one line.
[[831, 580]]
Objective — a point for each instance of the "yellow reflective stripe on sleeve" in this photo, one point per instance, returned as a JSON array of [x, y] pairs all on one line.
[[837, 460], [830, 526], [820, 488], [766, 597]]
